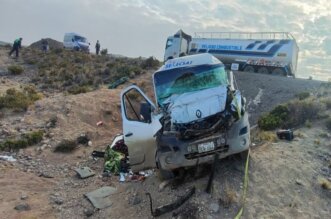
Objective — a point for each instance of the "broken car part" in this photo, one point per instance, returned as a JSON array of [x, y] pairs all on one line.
[[169, 207]]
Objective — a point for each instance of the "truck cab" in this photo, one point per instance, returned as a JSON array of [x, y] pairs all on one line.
[[197, 113], [177, 45]]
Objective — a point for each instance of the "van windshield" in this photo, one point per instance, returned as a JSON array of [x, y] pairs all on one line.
[[80, 39], [188, 79]]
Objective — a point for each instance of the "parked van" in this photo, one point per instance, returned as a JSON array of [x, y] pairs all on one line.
[[76, 42]]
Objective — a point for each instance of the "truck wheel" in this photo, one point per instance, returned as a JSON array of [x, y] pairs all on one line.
[[263, 70], [182, 54], [279, 71], [249, 69]]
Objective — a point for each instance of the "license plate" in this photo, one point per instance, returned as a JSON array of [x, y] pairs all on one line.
[[207, 146]]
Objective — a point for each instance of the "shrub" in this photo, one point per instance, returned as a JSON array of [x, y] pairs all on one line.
[[327, 103], [15, 69], [104, 52], [150, 62], [274, 119], [14, 99], [302, 95], [78, 89], [24, 141], [292, 114], [66, 146]]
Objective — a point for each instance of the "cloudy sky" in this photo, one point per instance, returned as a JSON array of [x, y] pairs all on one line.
[[140, 27]]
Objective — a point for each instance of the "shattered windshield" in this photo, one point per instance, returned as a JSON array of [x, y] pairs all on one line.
[[188, 79]]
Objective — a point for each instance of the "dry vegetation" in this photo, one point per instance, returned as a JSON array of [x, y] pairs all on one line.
[[298, 112], [19, 99], [25, 140], [77, 72]]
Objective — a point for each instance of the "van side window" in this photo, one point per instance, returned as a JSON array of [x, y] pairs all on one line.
[[169, 43], [136, 107]]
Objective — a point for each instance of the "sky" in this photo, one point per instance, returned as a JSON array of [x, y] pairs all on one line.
[[140, 27]]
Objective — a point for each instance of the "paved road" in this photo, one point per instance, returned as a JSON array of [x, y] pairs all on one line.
[[264, 92]]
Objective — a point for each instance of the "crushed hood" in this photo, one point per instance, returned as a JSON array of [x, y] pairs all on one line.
[[196, 105]]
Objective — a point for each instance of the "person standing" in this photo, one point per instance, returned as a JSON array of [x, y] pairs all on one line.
[[44, 46], [97, 47], [16, 46]]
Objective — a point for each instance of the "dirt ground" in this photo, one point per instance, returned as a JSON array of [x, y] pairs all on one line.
[[283, 176]]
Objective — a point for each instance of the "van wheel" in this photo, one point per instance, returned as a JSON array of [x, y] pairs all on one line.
[[182, 54], [249, 69]]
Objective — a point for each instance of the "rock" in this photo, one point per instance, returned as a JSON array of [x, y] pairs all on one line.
[[22, 207], [24, 197], [57, 199], [45, 175], [89, 143], [299, 182], [135, 200], [214, 207], [88, 212]]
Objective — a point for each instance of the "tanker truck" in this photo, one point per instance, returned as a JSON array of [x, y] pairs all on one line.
[[261, 52]]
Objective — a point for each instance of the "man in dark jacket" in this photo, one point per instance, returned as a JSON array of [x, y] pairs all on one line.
[[97, 47], [16, 46]]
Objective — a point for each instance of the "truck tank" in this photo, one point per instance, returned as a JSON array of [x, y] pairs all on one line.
[[262, 52]]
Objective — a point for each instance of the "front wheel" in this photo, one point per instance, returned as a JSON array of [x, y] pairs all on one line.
[[263, 70]]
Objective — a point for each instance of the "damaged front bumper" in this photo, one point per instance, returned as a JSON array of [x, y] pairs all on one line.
[[174, 153]]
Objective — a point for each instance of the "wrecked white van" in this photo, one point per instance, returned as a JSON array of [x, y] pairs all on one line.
[[76, 42], [197, 113]]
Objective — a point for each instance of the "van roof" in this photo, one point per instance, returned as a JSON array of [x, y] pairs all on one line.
[[75, 34], [191, 60]]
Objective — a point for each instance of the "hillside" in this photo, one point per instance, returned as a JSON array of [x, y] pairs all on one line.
[[69, 95]]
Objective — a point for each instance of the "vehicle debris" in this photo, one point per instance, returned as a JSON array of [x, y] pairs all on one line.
[[84, 172], [100, 197], [100, 123], [120, 81], [286, 134], [7, 158], [169, 207]]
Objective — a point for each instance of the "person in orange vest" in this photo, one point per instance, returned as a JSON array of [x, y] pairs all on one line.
[[16, 46]]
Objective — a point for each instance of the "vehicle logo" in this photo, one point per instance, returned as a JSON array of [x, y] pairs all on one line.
[[198, 114]]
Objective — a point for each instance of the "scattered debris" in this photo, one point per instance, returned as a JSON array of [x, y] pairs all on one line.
[[7, 158], [23, 207], [164, 184], [83, 139], [169, 207], [120, 81], [98, 154], [100, 197], [100, 123], [286, 134], [84, 172], [24, 197]]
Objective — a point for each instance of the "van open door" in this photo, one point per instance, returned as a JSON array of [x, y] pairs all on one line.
[[139, 128]]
